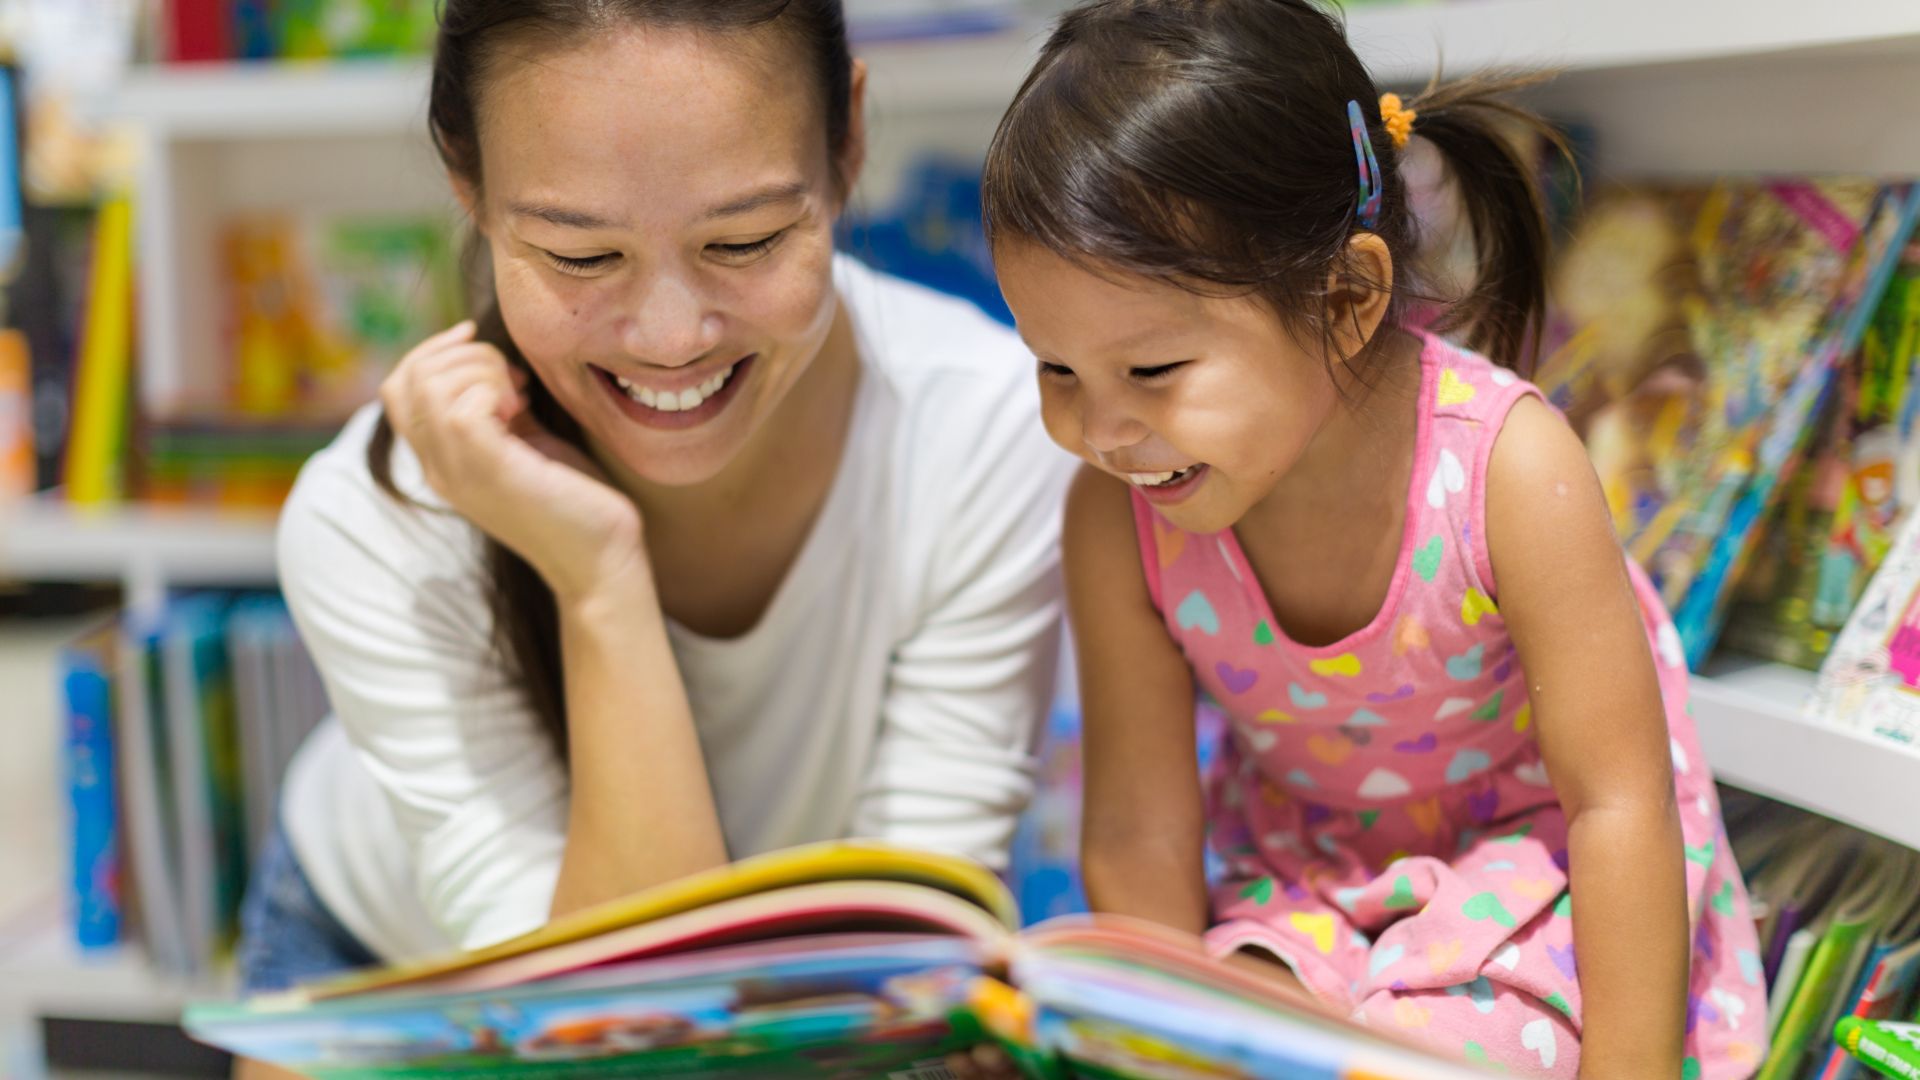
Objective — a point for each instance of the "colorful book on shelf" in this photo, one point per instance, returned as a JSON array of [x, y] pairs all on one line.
[[86, 672], [195, 31], [103, 369], [206, 770], [1886, 991], [835, 959], [1875, 893], [46, 302], [277, 701], [147, 799], [1834, 523], [1697, 330], [17, 472], [1870, 681], [318, 308]]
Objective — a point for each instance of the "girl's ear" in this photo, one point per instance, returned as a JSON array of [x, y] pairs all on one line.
[[1358, 291]]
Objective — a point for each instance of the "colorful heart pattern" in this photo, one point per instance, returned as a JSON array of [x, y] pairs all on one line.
[[1344, 666], [1196, 613], [1449, 478], [1426, 558], [1236, 680], [1453, 389]]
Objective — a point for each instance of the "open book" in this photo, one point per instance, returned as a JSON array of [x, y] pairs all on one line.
[[842, 959]]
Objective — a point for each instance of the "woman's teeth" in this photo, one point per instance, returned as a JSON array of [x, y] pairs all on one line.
[[670, 401], [1158, 479]]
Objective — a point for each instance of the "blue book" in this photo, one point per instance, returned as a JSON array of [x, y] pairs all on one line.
[[206, 770], [253, 37], [86, 680]]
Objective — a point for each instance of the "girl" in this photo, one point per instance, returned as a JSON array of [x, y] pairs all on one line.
[[1460, 754], [704, 542]]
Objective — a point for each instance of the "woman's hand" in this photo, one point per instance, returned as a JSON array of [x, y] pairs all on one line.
[[463, 409]]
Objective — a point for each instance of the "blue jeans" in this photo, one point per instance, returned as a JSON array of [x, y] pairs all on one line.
[[287, 935]]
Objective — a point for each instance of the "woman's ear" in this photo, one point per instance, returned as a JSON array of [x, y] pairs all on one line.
[[853, 156], [1358, 292], [468, 196]]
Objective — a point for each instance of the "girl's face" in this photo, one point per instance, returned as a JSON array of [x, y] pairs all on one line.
[[1201, 403], [660, 204]]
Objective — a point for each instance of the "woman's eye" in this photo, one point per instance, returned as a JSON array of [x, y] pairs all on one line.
[[569, 265], [743, 252], [1148, 374], [1055, 371]]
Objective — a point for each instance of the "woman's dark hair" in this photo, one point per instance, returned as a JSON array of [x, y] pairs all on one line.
[[473, 34], [1206, 143]]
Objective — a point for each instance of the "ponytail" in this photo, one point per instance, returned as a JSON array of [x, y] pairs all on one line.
[[1478, 132]]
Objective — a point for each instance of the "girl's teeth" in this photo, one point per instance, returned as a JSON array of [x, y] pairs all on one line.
[[1156, 479], [646, 397]]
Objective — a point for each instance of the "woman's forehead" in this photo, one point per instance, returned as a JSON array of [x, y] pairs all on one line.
[[651, 119]]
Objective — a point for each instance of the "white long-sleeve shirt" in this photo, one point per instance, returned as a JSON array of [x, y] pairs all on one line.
[[892, 689]]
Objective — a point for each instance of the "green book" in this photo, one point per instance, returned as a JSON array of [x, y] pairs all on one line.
[[1865, 901]]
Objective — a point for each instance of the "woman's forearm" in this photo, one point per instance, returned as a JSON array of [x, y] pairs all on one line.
[[1630, 935], [641, 811]]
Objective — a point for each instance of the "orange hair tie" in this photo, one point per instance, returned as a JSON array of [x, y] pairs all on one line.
[[1398, 120]]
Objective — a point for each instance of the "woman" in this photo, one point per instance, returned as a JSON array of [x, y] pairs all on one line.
[[706, 541]]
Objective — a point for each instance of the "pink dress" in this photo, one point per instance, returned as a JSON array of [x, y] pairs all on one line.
[[1381, 807]]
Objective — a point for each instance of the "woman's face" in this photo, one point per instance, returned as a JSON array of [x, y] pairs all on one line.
[[660, 205]]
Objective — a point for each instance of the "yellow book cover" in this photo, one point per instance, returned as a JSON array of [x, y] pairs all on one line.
[[103, 374]]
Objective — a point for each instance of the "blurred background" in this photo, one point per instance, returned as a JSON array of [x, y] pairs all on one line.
[[222, 220]]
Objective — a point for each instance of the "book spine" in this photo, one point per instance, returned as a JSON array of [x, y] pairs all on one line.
[[16, 416], [197, 31], [104, 371], [90, 788]]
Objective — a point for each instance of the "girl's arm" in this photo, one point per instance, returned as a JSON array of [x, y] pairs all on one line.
[[1142, 835], [1567, 601]]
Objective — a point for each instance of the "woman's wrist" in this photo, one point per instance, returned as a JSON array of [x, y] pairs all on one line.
[[608, 598]]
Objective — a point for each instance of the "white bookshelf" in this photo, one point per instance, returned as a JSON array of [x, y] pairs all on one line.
[[1403, 43], [1751, 726], [144, 548]]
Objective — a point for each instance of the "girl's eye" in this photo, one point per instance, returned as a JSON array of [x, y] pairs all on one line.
[[743, 252], [580, 266], [1055, 371], [1148, 374]]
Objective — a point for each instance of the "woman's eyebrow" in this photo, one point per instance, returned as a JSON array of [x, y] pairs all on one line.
[[791, 191], [562, 216]]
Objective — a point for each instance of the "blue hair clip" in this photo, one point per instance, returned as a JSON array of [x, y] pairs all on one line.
[[1371, 182]]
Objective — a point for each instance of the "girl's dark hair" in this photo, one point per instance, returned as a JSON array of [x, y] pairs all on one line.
[[1206, 143], [472, 35]]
